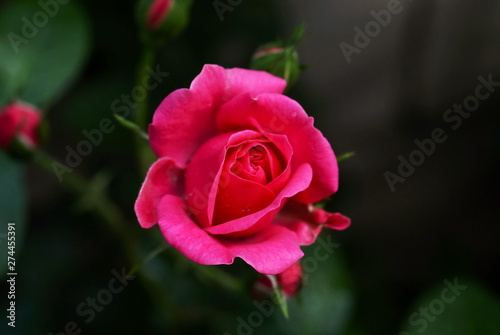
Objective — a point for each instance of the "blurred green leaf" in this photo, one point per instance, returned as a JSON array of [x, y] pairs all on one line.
[[12, 206], [297, 36], [42, 50], [470, 310]]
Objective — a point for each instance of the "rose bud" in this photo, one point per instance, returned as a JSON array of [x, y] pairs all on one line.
[[290, 281], [19, 122], [239, 168], [279, 61], [157, 12], [163, 18], [280, 58]]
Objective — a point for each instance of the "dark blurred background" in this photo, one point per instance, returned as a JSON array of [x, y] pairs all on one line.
[[441, 223]]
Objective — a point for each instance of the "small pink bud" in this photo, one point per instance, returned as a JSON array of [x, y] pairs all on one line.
[[158, 11], [267, 50], [289, 281], [21, 120]]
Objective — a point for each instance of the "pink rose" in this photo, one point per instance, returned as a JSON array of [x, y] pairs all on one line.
[[21, 120], [233, 151]]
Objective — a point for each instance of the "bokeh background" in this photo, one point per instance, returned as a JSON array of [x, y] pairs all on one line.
[[441, 224]]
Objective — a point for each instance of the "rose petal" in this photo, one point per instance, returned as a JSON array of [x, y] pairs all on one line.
[[202, 177], [276, 113], [306, 232], [238, 197], [218, 84], [279, 152], [203, 174], [308, 224], [186, 236], [238, 227], [335, 221], [286, 150], [164, 177], [186, 118], [242, 81], [182, 122], [271, 251], [242, 161]]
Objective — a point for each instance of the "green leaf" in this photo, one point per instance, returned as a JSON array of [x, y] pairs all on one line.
[[345, 156], [455, 307], [42, 50], [297, 36], [131, 126], [12, 206]]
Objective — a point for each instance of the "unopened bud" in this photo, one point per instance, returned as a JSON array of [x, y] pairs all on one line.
[[19, 121], [160, 19], [289, 281], [280, 58], [279, 61]]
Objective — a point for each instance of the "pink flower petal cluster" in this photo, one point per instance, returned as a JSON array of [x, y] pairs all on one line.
[[240, 165]]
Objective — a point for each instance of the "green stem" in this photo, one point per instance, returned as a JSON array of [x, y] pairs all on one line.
[[141, 115], [280, 298], [101, 205], [161, 248], [109, 213], [218, 276], [71, 179]]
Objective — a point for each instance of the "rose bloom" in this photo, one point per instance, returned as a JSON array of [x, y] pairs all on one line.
[[240, 165], [21, 120]]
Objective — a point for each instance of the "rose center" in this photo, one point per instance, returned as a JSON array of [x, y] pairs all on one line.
[[256, 154], [259, 162]]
